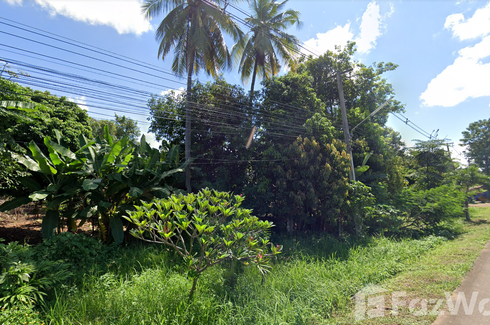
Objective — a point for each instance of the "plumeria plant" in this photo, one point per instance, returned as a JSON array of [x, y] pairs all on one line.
[[206, 229]]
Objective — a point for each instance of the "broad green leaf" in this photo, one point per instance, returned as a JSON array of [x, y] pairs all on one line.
[[44, 165], [14, 203], [135, 192], [65, 152], [144, 147], [39, 195], [115, 150], [50, 222], [58, 136], [55, 159], [52, 188], [16, 105], [56, 202], [26, 161], [30, 183], [117, 229], [82, 140], [154, 159], [91, 184], [107, 136]]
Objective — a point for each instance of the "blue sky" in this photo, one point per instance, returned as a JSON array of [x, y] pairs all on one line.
[[442, 49]]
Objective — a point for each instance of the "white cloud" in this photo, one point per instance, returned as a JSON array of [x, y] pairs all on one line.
[[176, 92], [468, 77], [370, 29], [80, 101], [476, 26], [123, 15], [327, 41], [150, 139]]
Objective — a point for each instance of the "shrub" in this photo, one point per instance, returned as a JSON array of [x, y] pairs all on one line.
[[80, 252], [205, 229], [23, 278], [19, 314]]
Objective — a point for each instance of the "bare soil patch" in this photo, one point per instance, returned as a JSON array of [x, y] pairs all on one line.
[[23, 224]]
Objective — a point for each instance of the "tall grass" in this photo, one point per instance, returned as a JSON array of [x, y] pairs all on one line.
[[144, 285]]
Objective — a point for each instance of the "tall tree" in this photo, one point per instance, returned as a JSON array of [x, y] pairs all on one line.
[[261, 52], [26, 115], [193, 28], [117, 128], [365, 89], [222, 118], [477, 138], [431, 161]]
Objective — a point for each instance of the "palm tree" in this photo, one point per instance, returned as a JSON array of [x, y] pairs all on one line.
[[193, 28], [260, 52]]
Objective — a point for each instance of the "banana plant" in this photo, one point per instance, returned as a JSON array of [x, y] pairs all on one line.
[[101, 179]]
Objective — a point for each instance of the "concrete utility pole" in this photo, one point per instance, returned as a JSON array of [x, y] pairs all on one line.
[[352, 175]]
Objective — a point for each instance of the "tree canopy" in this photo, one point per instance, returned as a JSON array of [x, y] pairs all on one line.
[[118, 128], [477, 138]]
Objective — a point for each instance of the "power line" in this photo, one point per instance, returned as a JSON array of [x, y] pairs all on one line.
[[114, 55], [271, 118], [89, 48]]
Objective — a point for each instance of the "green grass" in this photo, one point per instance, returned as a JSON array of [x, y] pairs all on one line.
[[433, 274], [312, 283], [300, 289]]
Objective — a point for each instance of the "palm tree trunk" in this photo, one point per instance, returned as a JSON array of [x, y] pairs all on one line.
[[190, 68], [188, 131], [253, 81]]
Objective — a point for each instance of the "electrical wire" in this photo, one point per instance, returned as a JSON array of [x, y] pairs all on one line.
[[415, 127]]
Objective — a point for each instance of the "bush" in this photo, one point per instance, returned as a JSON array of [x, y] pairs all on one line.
[[24, 279], [19, 314], [205, 229], [82, 253]]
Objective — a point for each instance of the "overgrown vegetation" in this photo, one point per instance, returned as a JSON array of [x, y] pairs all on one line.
[[310, 282], [282, 147]]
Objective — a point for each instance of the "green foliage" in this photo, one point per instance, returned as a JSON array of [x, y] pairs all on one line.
[[205, 229], [357, 204], [464, 179], [316, 281], [426, 209], [194, 30], [20, 314], [102, 179], [27, 115], [24, 279], [365, 89], [429, 161], [118, 128], [46, 113], [79, 252], [212, 142], [477, 138], [306, 190], [259, 53]]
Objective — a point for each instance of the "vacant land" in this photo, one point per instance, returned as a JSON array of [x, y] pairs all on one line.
[[315, 281]]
